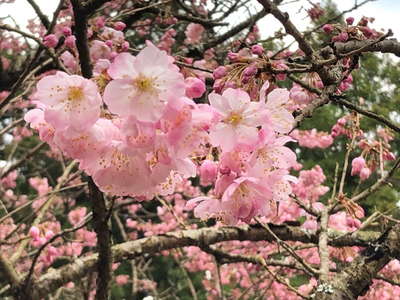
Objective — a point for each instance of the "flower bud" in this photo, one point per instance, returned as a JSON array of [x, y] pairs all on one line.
[[70, 41], [257, 50], [219, 72], [50, 40], [365, 173], [34, 232], [357, 165], [250, 71], [350, 20], [49, 234], [328, 28], [119, 26], [208, 172], [195, 87], [109, 43], [341, 121], [66, 31], [233, 56]]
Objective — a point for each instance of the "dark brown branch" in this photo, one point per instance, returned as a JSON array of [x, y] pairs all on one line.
[[356, 278], [43, 18], [270, 7], [386, 46], [101, 218], [82, 44], [342, 101], [91, 6], [235, 30]]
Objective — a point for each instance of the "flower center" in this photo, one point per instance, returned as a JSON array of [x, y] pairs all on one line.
[[144, 84], [75, 93], [234, 119]]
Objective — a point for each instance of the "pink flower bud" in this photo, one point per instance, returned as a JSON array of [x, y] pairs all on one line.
[[246, 79], [119, 26], [257, 50], [125, 46], [341, 37], [365, 173], [49, 234], [219, 72], [50, 40], [250, 71], [208, 172], [389, 156], [52, 251], [280, 77], [218, 86], [34, 232], [225, 170], [328, 28], [230, 84], [363, 21], [66, 31], [41, 241], [233, 56], [70, 41], [195, 87], [357, 165], [100, 22], [368, 32], [109, 43], [350, 20], [341, 121], [349, 79]]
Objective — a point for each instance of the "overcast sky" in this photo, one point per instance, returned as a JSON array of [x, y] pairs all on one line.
[[386, 12]]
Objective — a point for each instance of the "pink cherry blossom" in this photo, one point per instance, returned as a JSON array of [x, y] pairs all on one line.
[[195, 87], [70, 101], [279, 118], [193, 33], [239, 118], [143, 88]]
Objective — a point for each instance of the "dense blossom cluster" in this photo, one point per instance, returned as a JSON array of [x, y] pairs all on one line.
[[145, 140]]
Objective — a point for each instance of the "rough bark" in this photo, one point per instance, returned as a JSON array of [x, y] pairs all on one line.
[[51, 281]]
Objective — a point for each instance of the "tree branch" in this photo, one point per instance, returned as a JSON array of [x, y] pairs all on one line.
[[51, 281], [355, 279]]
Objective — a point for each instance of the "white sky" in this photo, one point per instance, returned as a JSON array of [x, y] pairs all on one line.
[[386, 12]]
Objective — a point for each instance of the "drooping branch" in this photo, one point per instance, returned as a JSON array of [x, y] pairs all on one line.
[[342, 101]]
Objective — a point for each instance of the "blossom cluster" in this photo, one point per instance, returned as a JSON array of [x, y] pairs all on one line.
[[143, 134], [141, 144], [252, 173]]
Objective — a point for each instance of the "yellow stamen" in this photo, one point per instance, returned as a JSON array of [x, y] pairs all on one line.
[[144, 84], [234, 119], [75, 93]]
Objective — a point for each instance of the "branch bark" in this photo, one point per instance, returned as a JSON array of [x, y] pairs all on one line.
[[355, 279], [51, 281]]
